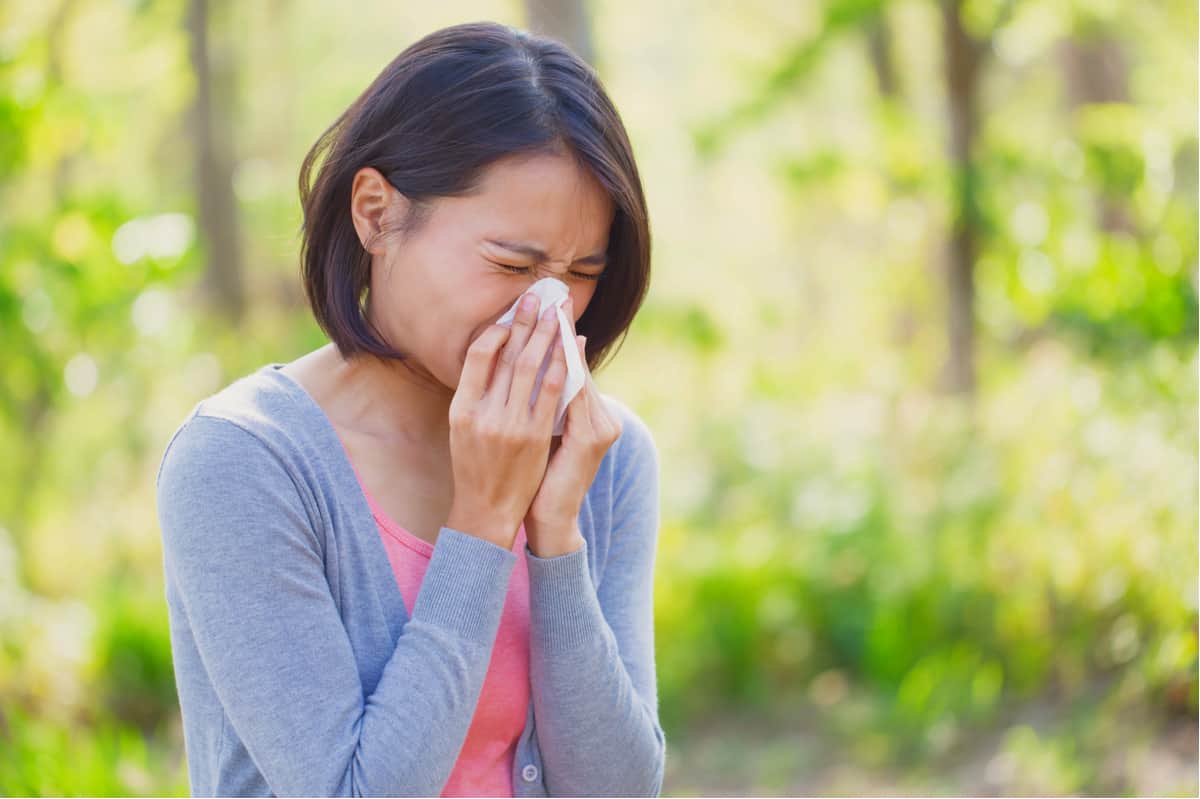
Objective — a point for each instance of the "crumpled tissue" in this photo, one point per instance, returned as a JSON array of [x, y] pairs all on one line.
[[552, 291]]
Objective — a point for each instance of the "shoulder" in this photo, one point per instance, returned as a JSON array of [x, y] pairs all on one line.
[[634, 452], [264, 403], [257, 417], [236, 477], [632, 478]]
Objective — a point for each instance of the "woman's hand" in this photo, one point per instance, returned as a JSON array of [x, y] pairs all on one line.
[[551, 523], [498, 445]]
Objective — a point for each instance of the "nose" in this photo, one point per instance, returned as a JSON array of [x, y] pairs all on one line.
[[535, 277], [539, 271]]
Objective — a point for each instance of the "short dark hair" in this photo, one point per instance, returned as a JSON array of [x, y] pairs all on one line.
[[433, 120]]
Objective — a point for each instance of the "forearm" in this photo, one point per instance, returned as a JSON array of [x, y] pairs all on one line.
[[598, 736]]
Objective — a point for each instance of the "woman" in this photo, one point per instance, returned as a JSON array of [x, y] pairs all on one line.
[[384, 575]]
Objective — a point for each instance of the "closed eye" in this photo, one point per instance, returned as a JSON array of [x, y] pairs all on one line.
[[520, 269]]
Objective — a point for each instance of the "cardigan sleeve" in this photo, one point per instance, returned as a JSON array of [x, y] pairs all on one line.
[[244, 563], [592, 665]]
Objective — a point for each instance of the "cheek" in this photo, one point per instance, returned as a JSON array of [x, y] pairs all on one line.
[[581, 297]]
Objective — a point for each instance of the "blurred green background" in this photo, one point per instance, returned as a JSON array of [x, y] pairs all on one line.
[[920, 356]]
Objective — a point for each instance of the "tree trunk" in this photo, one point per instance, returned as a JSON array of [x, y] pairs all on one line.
[[1096, 72], [212, 138], [962, 59], [565, 20], [879, 47]]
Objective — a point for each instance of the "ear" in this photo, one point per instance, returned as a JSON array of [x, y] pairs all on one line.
[[373, 202]]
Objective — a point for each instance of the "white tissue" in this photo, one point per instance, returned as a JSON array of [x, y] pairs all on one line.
[[552, 291]]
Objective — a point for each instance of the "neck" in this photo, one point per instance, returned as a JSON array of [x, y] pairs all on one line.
[[389, 400]]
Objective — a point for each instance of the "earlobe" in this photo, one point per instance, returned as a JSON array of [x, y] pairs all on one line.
[[372, 199]]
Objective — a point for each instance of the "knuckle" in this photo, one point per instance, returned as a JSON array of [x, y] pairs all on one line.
[[489, 428], [529, 360]]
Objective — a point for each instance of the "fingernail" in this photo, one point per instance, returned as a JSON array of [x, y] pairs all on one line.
[[529, 302]]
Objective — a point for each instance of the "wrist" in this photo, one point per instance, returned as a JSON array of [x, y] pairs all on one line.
[[551, 541], [483, 525], [566, 548]]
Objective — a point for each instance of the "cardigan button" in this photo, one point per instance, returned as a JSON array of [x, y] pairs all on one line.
[[530, 772]]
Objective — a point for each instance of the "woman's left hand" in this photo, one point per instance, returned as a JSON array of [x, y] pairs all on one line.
[[552, 521]]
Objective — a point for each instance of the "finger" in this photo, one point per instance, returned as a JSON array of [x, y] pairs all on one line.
[[577, 409], [592, 404], [580, 344], [603, 421], [529, 363], [577, 422], [587, 373], [522, 327], [477, 365], [552, 387]]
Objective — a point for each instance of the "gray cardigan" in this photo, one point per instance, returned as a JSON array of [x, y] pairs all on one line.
[[298, 668]]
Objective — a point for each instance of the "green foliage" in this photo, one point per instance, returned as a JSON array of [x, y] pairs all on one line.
[[133, 658], [976, 563], [795, 66], [43, 757]]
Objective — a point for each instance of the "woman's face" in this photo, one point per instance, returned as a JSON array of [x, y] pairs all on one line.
[[435, 292]]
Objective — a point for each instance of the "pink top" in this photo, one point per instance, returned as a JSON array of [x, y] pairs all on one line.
[[485, 763]]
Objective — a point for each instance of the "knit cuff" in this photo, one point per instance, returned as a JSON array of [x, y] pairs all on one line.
[[465, 586], [564, 611]]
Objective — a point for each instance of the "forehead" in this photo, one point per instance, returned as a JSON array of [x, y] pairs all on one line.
[[547, 200]]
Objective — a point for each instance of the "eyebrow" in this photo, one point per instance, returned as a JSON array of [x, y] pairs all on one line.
[[598, 259]]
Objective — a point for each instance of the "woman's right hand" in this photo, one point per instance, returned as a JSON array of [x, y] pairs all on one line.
[[499, 447]]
